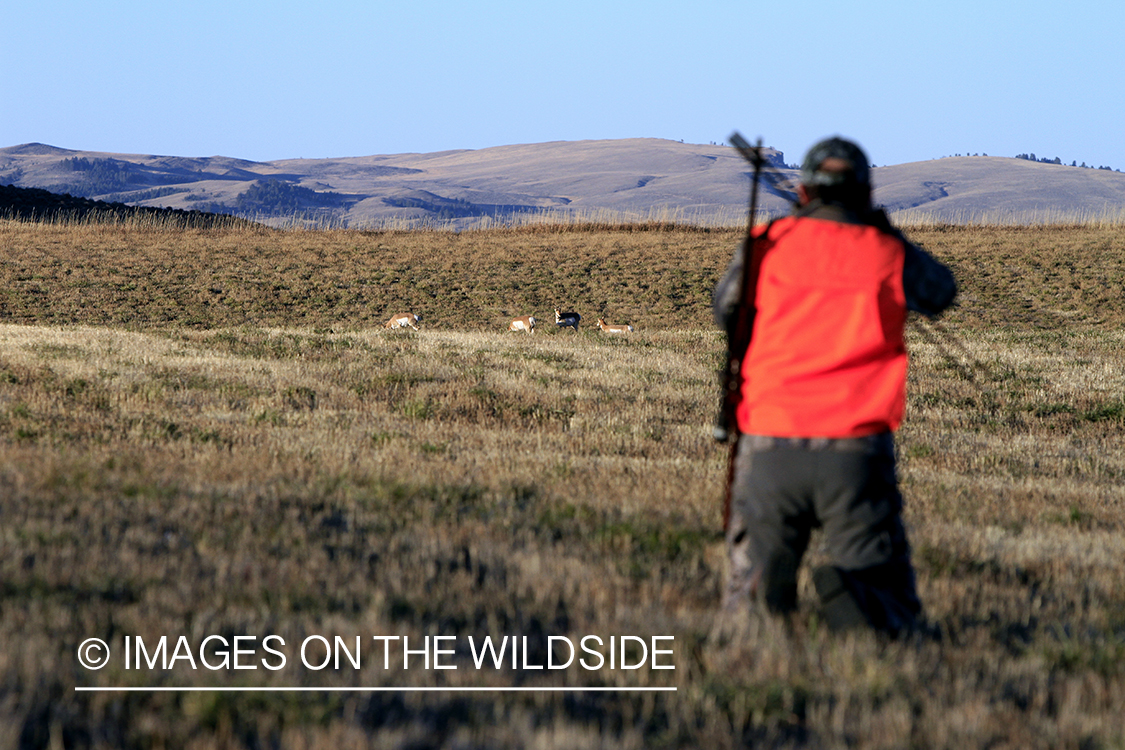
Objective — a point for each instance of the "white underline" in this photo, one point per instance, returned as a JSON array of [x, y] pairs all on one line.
[[377, 689]]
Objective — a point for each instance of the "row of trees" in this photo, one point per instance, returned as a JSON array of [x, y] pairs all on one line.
[[457, 208], [1057, 160], [1046, 160], [36, 204], [136, 196], [278, 197]]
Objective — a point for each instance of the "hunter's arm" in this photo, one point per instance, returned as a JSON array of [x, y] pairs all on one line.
[[929, 286], [728, 292]]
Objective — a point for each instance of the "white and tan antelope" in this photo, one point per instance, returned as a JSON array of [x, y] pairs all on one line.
[[612, 328], [526, 323], [403, 320], [565, 319]]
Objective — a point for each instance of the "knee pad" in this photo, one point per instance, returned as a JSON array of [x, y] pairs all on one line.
[[840, 609]]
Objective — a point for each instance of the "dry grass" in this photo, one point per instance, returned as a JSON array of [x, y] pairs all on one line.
[[176, 460], [654, 276]]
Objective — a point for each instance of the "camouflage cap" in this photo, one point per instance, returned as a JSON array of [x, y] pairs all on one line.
[[851, 164]]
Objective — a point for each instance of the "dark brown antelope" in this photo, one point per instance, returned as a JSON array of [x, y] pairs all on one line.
[[564, 319]]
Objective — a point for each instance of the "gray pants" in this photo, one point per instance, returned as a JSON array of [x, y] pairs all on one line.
[[786, 487]]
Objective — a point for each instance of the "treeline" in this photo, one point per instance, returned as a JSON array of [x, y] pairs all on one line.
[[278, 197], [456, 208], [99, 176], [1057, 160], [1046, 160], [136, 196], [113, 179], [447, 208], [34, 204]]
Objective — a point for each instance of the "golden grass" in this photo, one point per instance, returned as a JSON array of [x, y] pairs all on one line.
[[266, 459]]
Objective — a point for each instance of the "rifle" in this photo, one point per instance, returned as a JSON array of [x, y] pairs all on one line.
[[738, 337]]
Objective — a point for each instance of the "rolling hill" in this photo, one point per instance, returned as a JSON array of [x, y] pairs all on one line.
[[627, 179]]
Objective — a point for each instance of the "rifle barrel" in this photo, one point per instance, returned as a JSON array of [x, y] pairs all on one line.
[[726, 427]]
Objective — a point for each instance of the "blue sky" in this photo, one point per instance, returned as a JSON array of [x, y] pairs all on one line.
[[274, 80]]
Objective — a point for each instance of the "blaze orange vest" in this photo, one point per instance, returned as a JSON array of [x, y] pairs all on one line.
[[827, 356]]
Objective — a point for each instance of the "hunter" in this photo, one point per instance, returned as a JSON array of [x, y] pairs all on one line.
[[822, 388]]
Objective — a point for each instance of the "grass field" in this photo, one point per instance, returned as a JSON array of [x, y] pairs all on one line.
[[207, 433]]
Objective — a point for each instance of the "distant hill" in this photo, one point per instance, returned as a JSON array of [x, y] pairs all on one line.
[[640, 178], [967, 187]]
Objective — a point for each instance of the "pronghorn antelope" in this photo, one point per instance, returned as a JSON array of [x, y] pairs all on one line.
[[526, 323], [564, 319], [402, 321], [614, 329]]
